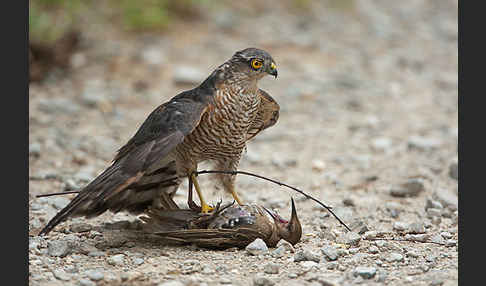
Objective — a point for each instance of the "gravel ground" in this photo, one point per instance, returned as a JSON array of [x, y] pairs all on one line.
[[368, 124]]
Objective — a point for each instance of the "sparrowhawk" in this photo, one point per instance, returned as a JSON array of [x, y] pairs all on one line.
[[211, 122]]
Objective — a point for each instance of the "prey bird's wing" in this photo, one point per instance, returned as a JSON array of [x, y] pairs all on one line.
[[212, 238], [267, 116], [119, 186]]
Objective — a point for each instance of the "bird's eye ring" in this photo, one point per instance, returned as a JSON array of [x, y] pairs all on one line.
[[256, 64]]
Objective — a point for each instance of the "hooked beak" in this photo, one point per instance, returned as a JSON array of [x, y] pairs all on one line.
[[272, 70]]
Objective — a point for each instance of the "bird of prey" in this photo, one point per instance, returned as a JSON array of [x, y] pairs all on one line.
[[229, 226], [211, 122]]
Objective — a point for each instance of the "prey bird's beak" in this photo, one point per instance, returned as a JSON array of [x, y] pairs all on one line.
[[272, 70], [295, 229]]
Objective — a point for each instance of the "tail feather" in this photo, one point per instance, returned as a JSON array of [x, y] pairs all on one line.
[[115, 190]]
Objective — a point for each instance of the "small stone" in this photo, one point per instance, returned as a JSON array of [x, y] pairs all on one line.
[[416, 228], [418, 237], [86, 282], [394, 257], [381, 143], [399, 226], [262, 281], [348, 202], [373, 249], [423, 143], [318, 165], [434, 213], [271, 268], [171, 283], [278, 252], [80, 227], [96, 253], [451, 242], [351, 238], [58, 248], [437, 239], [430, 258], [432, 204], [292, 275], [358, 226], [412, 254], [330, 253], [331, 265], [257, 247], [307, 265], [116, 260], [453, 170], [138, 261], [95, 274], [364, 272], [35, 149], [306, 255], [61, 275], [447, 198], [410, 188]]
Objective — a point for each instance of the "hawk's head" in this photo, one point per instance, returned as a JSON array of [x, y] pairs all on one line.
[[254, 63]]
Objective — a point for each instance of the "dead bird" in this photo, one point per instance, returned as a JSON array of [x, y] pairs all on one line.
[[228, 226]]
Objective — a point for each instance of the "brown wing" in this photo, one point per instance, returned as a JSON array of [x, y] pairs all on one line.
[[161, 132], [267, 115]]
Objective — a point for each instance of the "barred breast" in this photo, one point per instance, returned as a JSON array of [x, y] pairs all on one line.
[[222, 132]]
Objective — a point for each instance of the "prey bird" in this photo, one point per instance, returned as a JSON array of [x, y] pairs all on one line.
[[225, 227], [211, 122]]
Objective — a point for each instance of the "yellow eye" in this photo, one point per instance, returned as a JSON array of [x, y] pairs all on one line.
[[256, 64]]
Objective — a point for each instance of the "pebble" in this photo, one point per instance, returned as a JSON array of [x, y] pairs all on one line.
[[35, 149], [187, 75], [58, 248], [416, 228], [410, 188], [399, 226], [423, 143], [138, 261], [307, 265], [278, 252], [412, 254], [271, 268], [94, 274], [432, 204], [451, 242], [318, 165], [364, 272], [171, 283], [330, 253], [373, 249], [86, 282], [437, 239], [116, 260], [394, 257], [447, 198], [80, 227], [306, 255], [257, 247], [262, 281], [381, 143], [61, 275], [351, 238], [358, 226], [453, 170], [433, 213]]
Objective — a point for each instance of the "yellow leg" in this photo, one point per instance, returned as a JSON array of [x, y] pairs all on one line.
[[205, 208], [235, 196]]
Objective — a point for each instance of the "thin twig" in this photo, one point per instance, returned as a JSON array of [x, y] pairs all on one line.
[[275, 182]]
